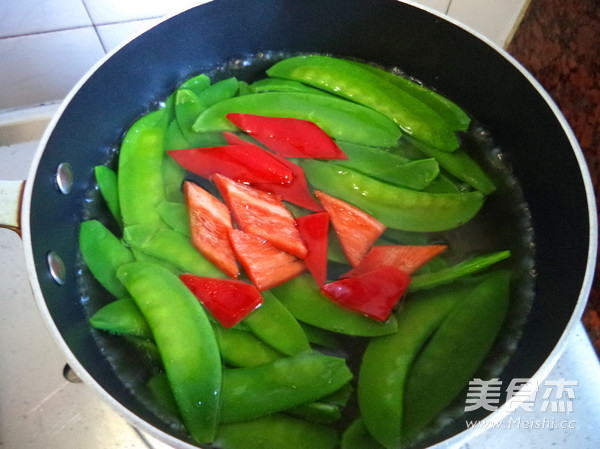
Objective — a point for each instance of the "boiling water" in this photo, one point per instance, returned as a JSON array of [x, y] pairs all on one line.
[[503, 223]]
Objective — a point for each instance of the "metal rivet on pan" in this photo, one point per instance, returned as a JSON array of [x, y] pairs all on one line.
[[64, 177], [70, 375], [57, 268]]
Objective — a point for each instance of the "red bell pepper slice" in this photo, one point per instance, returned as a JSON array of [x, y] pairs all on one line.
[[374, 293], [244, 163], [314, 229], [356, 230], [295, 192], [210, 222], [228, 300], [407, 258], [266, 265], [262, 214], [288, 137]]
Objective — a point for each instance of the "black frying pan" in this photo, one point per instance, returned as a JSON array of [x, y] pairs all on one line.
[[499, 93]]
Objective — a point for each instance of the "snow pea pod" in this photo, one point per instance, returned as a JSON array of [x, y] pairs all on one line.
[[395, 206], [459, 164], [353, 82], [173, 176], [305, 301], [387, 360], [107, 183], [196, 84], [273, 323], [275, 432], [185, 340], [249, 393], [103, 253], [454, 115], [356, 436], [170, 246], [174, 138], [341, 119], [283, 85], [451, 273], [243, 349], [318, 412], [140, 177], [455, 351], [121, 317], [161, 391], [175, 215], [388, 166], [189, 104]]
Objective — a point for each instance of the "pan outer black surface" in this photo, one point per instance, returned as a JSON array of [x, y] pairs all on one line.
[[440, 54]]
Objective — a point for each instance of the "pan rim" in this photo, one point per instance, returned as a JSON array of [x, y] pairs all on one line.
[[461, 437]]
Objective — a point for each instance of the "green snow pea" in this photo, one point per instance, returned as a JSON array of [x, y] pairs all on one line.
[[107, 183], [454, 115], [161, 391], [449, 274], [249, 393], [459, 164], [196, 83], [443, 184], [148, 351], [174, 138], [243, 349], [321, 337], [387, 361], [189, 104], [305, 301], [140, 176], [455, 351], [145, 257], [175, 215], [103, 253], [173, 177], [273, 323], [395, 206], [388, 166], [170, 246], [283, 85], [276, 432], [186, 342], [318, 412], [121, 317], [356, 436], [354, 82], [341, 119]]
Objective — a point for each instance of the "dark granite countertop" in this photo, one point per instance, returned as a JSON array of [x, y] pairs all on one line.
[[559, 43]]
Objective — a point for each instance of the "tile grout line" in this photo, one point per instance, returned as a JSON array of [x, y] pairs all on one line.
[[87, 11]]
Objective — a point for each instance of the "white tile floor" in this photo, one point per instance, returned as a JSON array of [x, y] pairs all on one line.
[[46, 46]]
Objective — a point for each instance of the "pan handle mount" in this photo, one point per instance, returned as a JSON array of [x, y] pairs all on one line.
[[11, 198]]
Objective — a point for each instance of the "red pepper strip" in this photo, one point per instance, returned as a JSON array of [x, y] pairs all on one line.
[[210, 222], [295, 192], [244, 163], [314, 229], [228, 300], [266, 265], [374, 293], [407, 258], [262, 214], [288, 137], [356, 230]]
